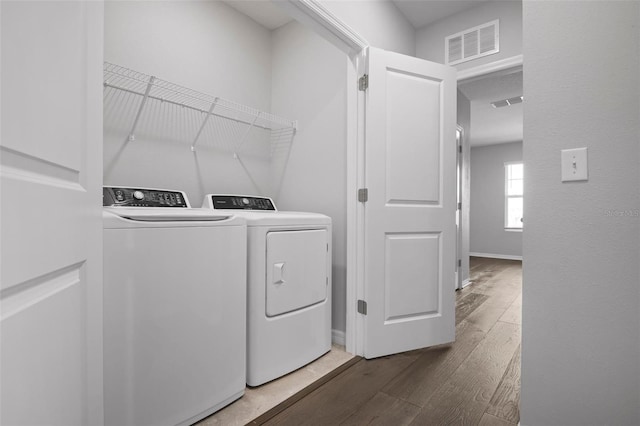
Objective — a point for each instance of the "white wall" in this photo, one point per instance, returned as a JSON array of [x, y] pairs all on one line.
[[211, 47], [430, 39], [488, 235], [379, 22], [309, 84], [581, 307], [205, 46]]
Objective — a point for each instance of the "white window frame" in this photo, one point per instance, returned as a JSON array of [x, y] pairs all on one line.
[[507, 196]]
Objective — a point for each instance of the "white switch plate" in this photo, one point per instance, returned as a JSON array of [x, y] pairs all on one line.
[[574, 164]]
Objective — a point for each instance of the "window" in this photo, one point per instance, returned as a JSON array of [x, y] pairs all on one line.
[[513, 195]]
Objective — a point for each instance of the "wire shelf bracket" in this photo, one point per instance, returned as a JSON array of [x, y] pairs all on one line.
[[132, 135], [204, 123]]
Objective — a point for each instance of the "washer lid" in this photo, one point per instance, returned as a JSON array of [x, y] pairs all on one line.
[[128, 217], [164, 215]]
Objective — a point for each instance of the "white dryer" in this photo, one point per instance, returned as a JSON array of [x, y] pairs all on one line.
[[174, 308], [288, 285]]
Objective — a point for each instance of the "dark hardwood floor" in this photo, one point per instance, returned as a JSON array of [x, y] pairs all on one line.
[[474, 381]]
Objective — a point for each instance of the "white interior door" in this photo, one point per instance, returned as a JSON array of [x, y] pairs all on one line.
[[51, 174], [410, 229]]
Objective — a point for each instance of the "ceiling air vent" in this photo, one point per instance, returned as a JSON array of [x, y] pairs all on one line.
[[507, 102], [473, 43]]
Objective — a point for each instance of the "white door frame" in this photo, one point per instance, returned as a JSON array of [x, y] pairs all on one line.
[[315, 16], [471, 74], [460, 187], [483, 70], [318, 18]]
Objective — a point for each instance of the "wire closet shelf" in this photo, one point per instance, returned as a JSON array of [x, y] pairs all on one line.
[[150, 87]]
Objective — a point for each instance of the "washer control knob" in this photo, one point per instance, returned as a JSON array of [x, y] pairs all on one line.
[[138, 195], [245, 201]]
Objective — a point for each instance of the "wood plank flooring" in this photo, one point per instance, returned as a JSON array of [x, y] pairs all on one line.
[[474, 381]]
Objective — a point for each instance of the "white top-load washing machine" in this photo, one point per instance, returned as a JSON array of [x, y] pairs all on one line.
[[288, 285], [174, 308]]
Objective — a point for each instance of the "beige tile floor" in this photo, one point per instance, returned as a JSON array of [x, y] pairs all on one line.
[[261, 399]]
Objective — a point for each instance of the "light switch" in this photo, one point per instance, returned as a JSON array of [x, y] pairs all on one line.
[[574, 164]]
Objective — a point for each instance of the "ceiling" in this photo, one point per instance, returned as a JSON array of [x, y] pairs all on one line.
[[424, 12], [488, 125], [491, 125], [264, 12], [419, 13]]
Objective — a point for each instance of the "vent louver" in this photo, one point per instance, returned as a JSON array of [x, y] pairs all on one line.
[[472, 43]]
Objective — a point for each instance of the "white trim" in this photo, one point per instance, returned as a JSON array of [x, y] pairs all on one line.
[[338, 337], [356, 229], [499, 65], [313, 14], [354, 69], [466, 283], [460, 185], [496, 256]]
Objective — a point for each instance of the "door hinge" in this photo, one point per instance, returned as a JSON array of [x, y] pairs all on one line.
[[459, 263], [363, 82], [363, 195], [459, 206], [460, 149], [362, 307]]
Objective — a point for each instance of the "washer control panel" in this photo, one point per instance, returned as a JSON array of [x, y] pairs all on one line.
[[142, 197], [240, 202]]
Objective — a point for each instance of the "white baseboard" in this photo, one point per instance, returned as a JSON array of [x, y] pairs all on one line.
[[338, 337], [496, 256], [466, 283]]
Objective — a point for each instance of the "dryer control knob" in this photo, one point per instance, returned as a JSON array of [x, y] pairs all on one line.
[[245, 201], [138, 195]]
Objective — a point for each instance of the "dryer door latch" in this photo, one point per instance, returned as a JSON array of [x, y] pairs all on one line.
[[278, 273]]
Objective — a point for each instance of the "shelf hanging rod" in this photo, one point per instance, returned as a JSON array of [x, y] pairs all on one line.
[[157, 98]]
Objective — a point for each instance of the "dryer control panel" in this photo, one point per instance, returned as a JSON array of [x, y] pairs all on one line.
[[142, 197], [240, 202]]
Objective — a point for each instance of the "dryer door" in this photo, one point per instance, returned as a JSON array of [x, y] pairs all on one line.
[[297, 270]]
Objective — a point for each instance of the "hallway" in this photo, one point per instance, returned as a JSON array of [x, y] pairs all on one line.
[[474, 381]]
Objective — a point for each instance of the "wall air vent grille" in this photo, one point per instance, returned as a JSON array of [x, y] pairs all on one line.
[[472, 43]]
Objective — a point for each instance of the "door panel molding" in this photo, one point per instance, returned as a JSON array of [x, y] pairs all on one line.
[[19, 297], [22, 166]]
